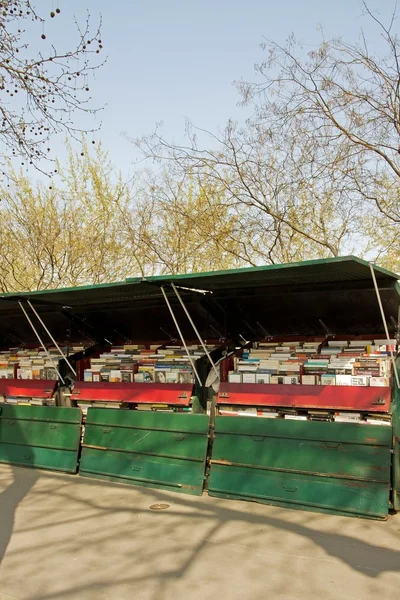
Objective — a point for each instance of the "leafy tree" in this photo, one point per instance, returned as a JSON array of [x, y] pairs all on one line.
[[183, 225], [90, 226], [66, 234]]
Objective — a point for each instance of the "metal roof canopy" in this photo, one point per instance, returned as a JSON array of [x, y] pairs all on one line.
[[336, 270], [288, 299]]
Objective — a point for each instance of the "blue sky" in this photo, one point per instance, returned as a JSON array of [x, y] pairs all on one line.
[[168, 60]]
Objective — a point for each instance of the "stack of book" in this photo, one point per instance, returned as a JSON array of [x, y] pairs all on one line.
[[306, 415], [27, 401], [19, 363], [169, 364], [352, 363], [85, 405]]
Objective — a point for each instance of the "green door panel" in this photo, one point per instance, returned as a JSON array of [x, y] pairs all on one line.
[[45, 437], [152, 449], [306, 492]]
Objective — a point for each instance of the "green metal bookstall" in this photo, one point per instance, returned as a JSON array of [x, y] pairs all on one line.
[[342, 468]]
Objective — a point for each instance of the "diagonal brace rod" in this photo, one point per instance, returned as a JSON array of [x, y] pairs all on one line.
[[40, 341], [51, 337], [181, 336], [195, 329], [396, 375]]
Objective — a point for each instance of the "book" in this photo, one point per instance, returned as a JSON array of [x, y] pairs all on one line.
[[379, 381], [359, 381], [262, 378], [296, 417], [343, 379], [327, 379], [234, 377], [249, 378], [309, 379]]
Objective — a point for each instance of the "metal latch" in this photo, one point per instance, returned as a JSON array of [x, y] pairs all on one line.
[[378, 401], [183, 395], [224, 395], [289, 488], [76, 391], [47, 391]]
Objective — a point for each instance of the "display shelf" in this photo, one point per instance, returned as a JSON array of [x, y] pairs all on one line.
[[137, 393], [370, 399]]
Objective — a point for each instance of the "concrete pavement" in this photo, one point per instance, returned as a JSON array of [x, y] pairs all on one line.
[[69, 538]]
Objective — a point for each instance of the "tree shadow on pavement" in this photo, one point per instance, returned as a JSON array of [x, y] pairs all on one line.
[[212, 524], [22, 482]]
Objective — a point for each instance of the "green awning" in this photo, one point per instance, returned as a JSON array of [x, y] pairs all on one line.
[[288, 299], [336, 270]]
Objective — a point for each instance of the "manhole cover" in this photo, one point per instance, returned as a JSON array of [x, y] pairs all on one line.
[[159, 506]]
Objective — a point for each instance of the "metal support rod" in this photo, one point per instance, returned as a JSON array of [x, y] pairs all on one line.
[[396, 375], [195, 330], [40, 341], [51, 337], [181, 336]]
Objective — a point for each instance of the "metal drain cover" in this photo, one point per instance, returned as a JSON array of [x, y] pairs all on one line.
[[159, 506]]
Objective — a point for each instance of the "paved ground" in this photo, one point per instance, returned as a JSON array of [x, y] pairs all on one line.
[[69, 538]]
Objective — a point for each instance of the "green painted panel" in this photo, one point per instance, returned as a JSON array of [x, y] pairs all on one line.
[[180, 422], [40, 458], [396, 447], [330, 467], [44, 437], [377, 435], [142, 441], [161, 450], [321, 458], [45, 434], [396, 474], [148, 471], [352, 498], [41, 413]]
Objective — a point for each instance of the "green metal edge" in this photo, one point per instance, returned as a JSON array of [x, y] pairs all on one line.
[[125, 481], [174, 423], [396, 443], [143, 470], [48, 414], [233, 482], [68, 456], [265, 268], [349, 433], [203, 275], [314, 509], [95, 286]]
